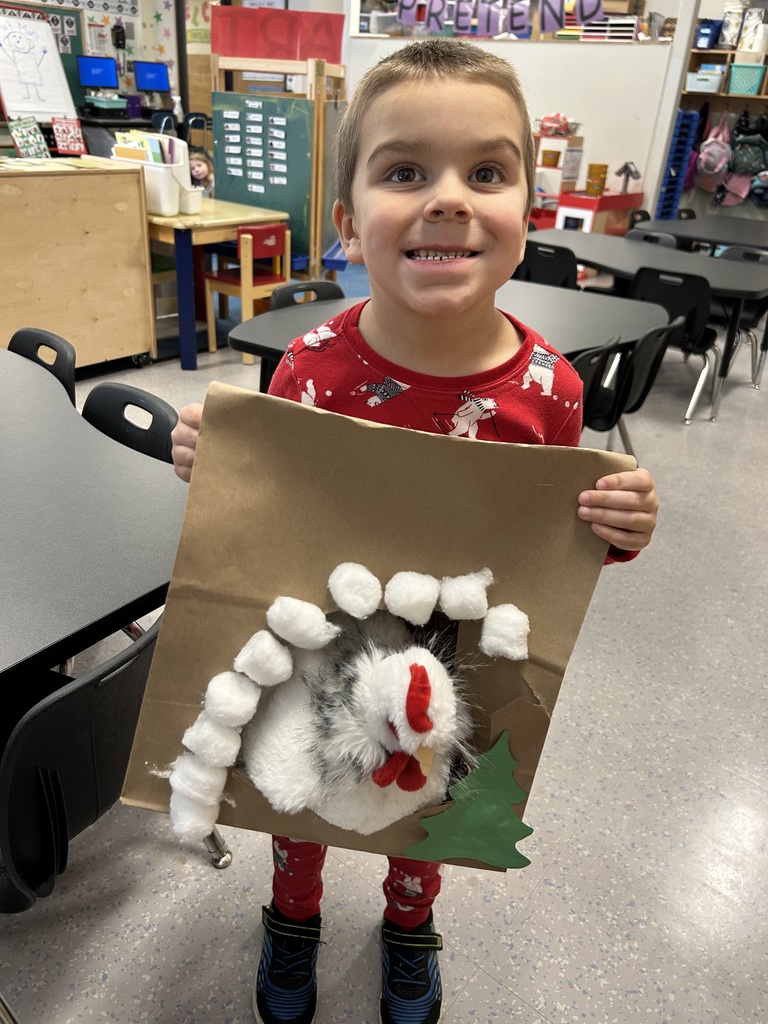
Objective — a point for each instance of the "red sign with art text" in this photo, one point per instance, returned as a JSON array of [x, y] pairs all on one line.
[[268, 34]]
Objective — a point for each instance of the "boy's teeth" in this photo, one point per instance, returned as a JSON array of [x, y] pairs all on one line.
[[433, 254]]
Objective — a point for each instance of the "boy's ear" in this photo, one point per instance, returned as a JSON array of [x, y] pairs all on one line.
[[344, 223]]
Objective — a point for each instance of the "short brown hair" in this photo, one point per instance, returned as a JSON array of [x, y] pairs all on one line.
[[430, 58]]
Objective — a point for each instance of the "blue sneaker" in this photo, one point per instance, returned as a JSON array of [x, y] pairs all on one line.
[[411, 992], [286, 983]]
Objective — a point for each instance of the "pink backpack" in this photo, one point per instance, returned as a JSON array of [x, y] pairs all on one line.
[[713, 159]]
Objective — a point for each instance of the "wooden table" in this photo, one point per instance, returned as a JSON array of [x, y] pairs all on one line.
[[571, 320], [623, 257], [217, 221], [89, 527], [714, 229]]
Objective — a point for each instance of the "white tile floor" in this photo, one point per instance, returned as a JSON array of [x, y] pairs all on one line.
[[645, 902]]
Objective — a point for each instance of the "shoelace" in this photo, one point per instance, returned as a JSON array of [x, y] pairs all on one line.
[[295, 965], [409, 972]]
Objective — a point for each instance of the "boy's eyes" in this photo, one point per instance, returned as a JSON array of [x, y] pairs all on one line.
[[486, 175]]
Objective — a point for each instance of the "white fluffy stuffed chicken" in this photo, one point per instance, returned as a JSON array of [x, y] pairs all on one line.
[[366, 730]]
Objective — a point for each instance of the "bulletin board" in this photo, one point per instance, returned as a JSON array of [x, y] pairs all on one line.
[[32, 77], [263, 156]]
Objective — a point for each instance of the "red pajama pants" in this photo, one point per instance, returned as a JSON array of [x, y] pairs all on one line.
[[410, 887]]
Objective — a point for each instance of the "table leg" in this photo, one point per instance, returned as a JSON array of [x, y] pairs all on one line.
[[728, 353], [185, 292]]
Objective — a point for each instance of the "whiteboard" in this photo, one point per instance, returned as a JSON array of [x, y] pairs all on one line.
[[32, 79]]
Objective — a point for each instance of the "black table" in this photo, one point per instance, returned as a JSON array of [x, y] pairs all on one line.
[[571, 320], [622, 257], [88, 527], [714, 229]]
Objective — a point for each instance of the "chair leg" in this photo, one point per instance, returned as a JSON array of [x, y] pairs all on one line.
[[218, 850], [210, 316], [625, 438], [759, 370], [687, 419]]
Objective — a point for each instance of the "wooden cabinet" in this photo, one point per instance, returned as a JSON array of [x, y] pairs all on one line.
[[742, 80], [74, 256]]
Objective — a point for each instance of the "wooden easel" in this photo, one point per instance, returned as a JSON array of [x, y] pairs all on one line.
[[325, 82]]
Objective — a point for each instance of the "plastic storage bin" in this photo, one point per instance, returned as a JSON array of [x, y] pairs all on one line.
[[703, 81], [746, 79], [708, 33]]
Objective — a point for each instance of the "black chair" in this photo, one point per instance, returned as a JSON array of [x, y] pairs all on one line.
[[601, 404], [29, 341], [165, 121], [105, 409], [752, 312], [689, 296], [636, 217], [646, 359], [304, 291], [686, 213], [63, 767], [196, 120], [547, 264], [653, 237]]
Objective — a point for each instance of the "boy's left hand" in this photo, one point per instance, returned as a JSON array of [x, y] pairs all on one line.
[[622, 509]]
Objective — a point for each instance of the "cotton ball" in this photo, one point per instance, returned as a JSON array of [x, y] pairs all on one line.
[[216, 744], [301, 623], [231, 699], [265, 660], [191, 820], [464, 597], [505, 633], [197, 780], [355, 589], [412, 596]]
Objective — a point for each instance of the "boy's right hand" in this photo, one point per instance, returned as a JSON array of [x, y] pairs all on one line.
[[184, 440]]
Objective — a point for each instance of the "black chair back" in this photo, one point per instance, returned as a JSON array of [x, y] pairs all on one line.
[[165, 121], [654, 237], [63, 767], [686, 295], [30, 341], [602, 406], [646, 359], [304, 291], [636, 217], [743, 254], [547, 264], [686, 213], [105, 408]]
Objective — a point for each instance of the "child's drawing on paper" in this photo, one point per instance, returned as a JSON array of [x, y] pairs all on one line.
[[32, 79], [26, 55]]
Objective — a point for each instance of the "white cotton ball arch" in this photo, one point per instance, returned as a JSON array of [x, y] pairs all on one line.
[[300, 623], [505, 633], [355, 589], [265, 660], [412, 596], [464, 597]]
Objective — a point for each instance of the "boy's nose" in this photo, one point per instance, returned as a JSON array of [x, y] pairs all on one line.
[[449, 202]]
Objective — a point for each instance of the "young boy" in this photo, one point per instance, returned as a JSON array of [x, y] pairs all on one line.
[[435, 183]]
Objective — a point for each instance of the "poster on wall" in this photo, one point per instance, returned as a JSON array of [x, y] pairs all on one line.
[[32, 79]]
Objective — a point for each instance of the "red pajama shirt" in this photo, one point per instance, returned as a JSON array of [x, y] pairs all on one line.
[[533, 398]]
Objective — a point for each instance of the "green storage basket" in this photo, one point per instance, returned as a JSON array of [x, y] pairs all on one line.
[[746, 79]]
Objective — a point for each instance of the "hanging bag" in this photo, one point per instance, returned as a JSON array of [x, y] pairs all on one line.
[[750, 155], [714, 157]]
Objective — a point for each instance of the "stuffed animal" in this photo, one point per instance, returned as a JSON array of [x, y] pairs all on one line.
[[347, 715]]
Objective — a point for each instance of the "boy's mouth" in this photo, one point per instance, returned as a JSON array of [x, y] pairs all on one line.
[[435, 254]]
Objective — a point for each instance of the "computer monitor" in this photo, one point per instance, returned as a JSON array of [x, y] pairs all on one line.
[[97, 72], [151, 77]]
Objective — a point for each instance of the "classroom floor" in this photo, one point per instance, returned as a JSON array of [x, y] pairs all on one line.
[[645, 902]]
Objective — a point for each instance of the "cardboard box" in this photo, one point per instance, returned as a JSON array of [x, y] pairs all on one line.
[[281, 494]]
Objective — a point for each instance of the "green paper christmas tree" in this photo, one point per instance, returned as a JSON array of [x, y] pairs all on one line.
[[480, 825]]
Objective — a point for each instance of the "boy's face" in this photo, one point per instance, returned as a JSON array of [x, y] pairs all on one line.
[[439, 196]]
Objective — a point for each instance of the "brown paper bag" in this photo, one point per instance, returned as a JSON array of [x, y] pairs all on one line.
[[282, 493]]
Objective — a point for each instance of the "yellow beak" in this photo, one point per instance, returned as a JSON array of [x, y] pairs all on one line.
[[425, 756]]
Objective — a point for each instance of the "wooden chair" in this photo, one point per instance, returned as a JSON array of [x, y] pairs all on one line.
[[250, 281]]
